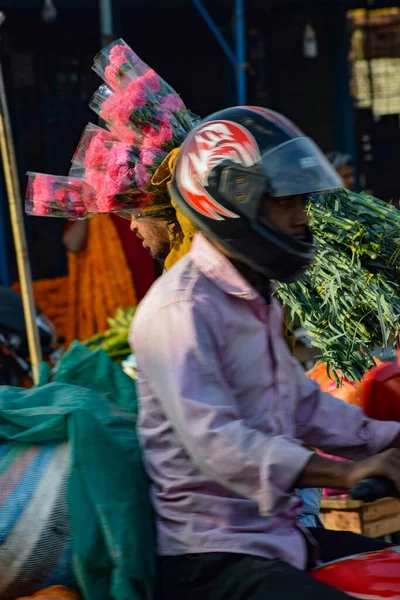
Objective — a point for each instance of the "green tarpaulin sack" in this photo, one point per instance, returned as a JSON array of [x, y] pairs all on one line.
[[92, 404]]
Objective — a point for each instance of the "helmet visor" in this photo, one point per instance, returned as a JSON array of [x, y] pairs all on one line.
[[298, 167]]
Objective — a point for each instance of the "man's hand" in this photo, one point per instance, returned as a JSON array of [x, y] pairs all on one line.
[[76, 236], [322, 472], [386, 464]]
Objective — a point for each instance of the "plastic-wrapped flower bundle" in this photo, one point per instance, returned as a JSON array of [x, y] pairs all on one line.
[[58, 196], [117, 64], [146, 113], [145, 120], [107, 165]]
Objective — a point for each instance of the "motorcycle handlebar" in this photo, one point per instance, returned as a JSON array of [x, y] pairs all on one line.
[[373, 488]]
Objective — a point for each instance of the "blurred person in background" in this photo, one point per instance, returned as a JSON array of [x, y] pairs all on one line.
[[108, 268], [140, 263], [344, 165]]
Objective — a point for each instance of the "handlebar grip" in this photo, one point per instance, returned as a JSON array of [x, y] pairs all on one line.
[[373, 488]]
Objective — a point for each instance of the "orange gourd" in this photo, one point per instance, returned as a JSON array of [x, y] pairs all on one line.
[[347, 390], [56, 592]]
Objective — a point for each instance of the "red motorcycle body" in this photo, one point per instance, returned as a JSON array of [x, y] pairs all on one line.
[[374, 575], [370, 576], [381, 392]]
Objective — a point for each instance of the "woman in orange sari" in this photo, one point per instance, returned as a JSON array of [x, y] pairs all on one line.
[[107, 269]]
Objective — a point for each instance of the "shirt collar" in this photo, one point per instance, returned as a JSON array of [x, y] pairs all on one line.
[[218, 268]]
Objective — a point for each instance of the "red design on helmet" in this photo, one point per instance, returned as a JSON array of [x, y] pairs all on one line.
[[211, 144]]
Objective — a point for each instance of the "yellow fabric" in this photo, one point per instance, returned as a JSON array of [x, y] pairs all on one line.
[[163, 174], [180, 243], [181, 240], [56, 592]]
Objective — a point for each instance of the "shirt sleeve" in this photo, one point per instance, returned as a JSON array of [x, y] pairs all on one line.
[[183, 366], [336, 427]]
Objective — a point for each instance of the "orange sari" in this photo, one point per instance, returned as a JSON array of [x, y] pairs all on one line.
[[99, 281]]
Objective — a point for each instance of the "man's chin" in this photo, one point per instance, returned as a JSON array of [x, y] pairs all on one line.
[[160, 253]]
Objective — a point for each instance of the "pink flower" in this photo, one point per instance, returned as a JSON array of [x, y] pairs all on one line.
[[97, 153], [142, 176], [164, 134], [74, 197], [149, 130], [120, 175], [121, 54], [120, 106], [172, 103], [60, 196], [127, 136], [95, 179], [42, 195], [69, 199], [105, 203], [119, 155], [41, 209], [134, 95], [89, 199], [152, 81], [79, 212], [147, 156], [117, 58], [118, 54], [107, 107], [42, 186], [155, 138], [121, 116], [111, 76]]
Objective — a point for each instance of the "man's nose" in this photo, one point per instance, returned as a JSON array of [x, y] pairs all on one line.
[[304, 218], [301, 218]]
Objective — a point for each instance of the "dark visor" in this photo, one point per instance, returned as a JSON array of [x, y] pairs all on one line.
[[298, 167]]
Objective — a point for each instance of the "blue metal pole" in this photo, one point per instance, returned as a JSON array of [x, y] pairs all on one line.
[[345, 138], [106, 22], [240, 53], [214, 29]]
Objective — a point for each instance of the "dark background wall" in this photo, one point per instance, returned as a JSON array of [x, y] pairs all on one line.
[[49, 80]]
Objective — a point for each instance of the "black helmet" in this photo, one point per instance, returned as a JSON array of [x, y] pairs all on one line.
[[224, 170]]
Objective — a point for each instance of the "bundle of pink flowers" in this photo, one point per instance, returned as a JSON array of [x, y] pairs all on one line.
[[145, 120], [56, 196], [117, 64]]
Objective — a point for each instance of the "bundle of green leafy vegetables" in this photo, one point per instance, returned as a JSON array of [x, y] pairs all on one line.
[[349, 300]]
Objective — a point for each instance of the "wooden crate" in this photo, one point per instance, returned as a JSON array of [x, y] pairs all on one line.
[[374, 519]]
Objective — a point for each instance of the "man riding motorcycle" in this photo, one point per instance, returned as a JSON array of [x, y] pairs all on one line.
[[167, 234], [226, 411]]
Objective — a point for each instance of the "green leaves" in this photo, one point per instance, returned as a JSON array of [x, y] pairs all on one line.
[[114, 340], [349, 300]]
